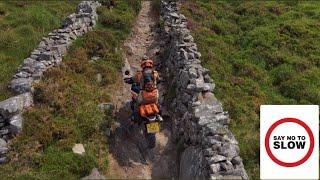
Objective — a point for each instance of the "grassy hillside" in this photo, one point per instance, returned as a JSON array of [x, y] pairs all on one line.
[[66, 110], [258, 53], [22, 25]]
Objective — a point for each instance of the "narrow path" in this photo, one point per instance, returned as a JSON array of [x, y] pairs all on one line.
[[129, 157]]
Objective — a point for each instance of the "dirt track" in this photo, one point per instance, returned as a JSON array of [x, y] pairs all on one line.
[[129, 157]]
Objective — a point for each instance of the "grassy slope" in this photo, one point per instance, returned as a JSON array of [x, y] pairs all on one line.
[[258, 53], [22, 25], [66, 110]]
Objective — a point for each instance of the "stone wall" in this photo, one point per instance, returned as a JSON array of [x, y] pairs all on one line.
[[47, 54], [210, 149]]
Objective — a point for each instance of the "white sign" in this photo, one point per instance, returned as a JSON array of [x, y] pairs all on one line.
[[289, 142]]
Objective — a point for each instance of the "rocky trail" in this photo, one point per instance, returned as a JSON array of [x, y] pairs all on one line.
[[195, 139], [129, 157]]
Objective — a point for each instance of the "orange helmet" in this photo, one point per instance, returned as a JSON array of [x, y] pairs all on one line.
[[147, 63]]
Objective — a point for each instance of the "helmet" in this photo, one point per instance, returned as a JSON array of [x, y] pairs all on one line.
[[147, 63]]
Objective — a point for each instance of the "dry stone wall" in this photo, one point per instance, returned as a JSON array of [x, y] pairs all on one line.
[[47, 54], [211, 150]]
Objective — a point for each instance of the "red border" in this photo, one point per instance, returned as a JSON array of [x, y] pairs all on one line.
[[267, 143]]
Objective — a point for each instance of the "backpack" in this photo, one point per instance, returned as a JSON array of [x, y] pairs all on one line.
[[149, 97], [146, 110]]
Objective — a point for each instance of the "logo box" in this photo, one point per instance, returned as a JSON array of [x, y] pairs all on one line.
[[289, 142]]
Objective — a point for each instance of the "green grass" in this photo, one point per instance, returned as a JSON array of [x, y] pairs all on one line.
[[258, 53], [22, 25], [66, 110]]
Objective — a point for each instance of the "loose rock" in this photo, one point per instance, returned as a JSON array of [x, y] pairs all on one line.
[[78, 149]]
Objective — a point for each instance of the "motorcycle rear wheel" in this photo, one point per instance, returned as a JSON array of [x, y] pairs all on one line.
[[151, 140]]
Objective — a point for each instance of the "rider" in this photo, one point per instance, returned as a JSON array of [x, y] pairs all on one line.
[[137, 81], [147, 79], [147, 100], [147, 70]]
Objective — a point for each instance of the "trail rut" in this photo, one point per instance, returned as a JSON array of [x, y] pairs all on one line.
[[129, 157]]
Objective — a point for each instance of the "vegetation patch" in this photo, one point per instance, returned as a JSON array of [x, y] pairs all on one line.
[[66, 110], [258, 53], [22, 25]]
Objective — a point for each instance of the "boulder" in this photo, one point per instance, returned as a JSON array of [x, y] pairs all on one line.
[[208, 152], [188, 38], [4, 131], [229, 150], [87, 20], [226, 166], [3, 143], [215, 168], [45, 56], [174, 15], [22, 74], [193, 73], [217, 158], [236, 160], [184, 54], [208, 87], [32, 66], [15, 105], [84, 7], [222, 118], [15, 124], [206, 110], [184, 79], [68, 21], [211, 141], [21, 85], [61, 49], [3, 160], [78, 149], [199, 83], [3, 150]]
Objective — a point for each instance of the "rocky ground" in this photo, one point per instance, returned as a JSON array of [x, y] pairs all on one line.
[[129, 157]]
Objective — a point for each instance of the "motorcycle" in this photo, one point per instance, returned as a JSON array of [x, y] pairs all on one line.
[[151, 126]]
